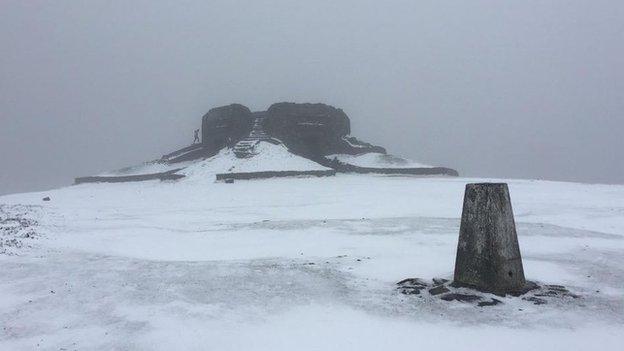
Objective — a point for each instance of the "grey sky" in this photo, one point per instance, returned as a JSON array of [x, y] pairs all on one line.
[[527, 89]]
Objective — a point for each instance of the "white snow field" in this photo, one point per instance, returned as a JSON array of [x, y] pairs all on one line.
[[298, 264]]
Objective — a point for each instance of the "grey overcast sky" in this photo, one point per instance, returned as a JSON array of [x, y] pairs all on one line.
[[523, 89]]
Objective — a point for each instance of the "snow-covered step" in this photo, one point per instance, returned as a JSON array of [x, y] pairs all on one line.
[[257, 131], [245, 148]]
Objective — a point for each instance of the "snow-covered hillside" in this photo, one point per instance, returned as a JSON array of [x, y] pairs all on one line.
[[269, 157], [298, 264]]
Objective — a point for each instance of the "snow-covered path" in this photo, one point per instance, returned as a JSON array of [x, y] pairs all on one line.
[[302, 263]]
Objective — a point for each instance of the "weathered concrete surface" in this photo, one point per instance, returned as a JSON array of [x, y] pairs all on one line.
[[488, 254]]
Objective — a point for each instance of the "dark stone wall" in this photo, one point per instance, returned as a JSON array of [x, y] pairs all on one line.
[[310, 130], [275, 174], [224, 126], [307, 129], [313, 130], [168, 175]]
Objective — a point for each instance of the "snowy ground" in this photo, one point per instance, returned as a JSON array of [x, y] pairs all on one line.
[[299, 264]]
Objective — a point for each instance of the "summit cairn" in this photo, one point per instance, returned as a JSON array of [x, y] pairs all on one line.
[[488, 254]]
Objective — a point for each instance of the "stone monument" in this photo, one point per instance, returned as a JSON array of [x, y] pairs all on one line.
[[488, 254]]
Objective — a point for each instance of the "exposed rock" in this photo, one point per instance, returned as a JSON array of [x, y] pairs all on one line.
[[439, 281], [47, 198], [413, 282], [528, 286], [460, 297], [492, 302], [535, 300], [441, 289], [410, 290], [555, 291], [560, 288], [449, 291], [411, 286]]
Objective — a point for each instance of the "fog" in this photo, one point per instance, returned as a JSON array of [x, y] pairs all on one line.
[[520, 89]]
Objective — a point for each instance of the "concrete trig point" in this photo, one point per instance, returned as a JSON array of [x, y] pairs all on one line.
[[488, 255]]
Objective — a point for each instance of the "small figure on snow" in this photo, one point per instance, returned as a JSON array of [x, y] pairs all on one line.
[[196, 140]]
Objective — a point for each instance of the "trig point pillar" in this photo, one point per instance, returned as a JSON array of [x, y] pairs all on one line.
[[488, 255]]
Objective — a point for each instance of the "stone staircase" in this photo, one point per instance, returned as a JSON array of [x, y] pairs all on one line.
[[245, 148]]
